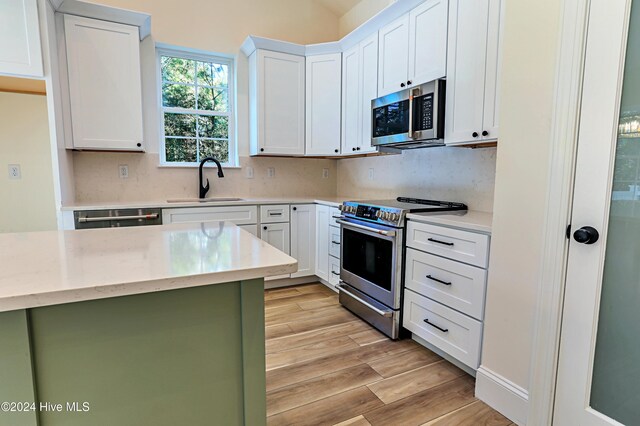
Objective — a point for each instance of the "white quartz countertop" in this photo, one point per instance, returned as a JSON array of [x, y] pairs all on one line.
[[55, 267], [469, 220], [330, 201]]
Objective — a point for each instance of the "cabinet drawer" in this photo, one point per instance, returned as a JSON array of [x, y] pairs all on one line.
[[274, 214], [464, 246], [459, 286], [240, 215], [334, 271], [334, 241], [333, 213], [454, 333]]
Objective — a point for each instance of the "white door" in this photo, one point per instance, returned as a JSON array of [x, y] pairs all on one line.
[[428, 41], [492, 78], [322, 242], [276, 234], [323, 104], [466, 66], [351, 100], [368, 89], [599, 365], [303, 238], [393, 58], [280, 108], [105, 87], [20, 51]]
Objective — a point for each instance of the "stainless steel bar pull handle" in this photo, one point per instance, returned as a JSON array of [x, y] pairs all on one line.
[[365, 303], [275, 213], [444, 330], [437, 280], [100, 219], [439, 242]]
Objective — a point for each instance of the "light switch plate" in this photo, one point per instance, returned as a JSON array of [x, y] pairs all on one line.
[[249, 172], [271, 172], [371, 174], [325, 173], [123, 171], [14, 171]]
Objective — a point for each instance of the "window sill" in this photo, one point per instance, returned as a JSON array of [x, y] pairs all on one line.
[[195, 166]]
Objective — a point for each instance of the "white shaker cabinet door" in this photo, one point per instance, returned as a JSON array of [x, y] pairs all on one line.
[[276, 234], [323, 102], [20, 49], [322, 242], [277, 112], [393, 59], [428, 41], [466, 64], [368, 90], [491, 113], [351, 104], [105, 89], [303, 238]]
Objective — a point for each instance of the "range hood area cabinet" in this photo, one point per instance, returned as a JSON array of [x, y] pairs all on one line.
[[276, 103], [413, 48], [104, 107], [473, 65], [20, 49]]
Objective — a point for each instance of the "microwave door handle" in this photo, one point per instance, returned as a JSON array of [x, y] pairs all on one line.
[[410, 133]]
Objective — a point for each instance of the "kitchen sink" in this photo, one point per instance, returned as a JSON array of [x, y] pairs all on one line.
[[203, 200]]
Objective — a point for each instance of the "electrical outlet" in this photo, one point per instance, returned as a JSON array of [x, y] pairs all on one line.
[[14, 171], [325, 173], [271, 172], [123, 171], [249, 172], [371, 174]]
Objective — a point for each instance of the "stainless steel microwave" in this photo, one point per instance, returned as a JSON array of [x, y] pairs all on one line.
[[411, 118]]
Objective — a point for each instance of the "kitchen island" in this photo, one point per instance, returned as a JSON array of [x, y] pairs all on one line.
[[159, 325]]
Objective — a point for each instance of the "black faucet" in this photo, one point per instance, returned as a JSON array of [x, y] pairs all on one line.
[[205, 189]]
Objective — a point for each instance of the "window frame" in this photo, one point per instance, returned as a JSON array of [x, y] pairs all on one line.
[[202, 56]]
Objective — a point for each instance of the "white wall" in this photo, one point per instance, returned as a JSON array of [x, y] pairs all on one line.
[[28, 203], [360, 13], [216, 26], [531, 38]]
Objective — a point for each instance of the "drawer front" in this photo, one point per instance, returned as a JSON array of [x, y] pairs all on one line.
[[464, 246], [274, 213], [334, 241], [334, 271], [452, 332], [333, 213], [457, 285], [240, 215]]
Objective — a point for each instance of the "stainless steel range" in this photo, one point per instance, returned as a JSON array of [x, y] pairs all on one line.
[[371, 261]]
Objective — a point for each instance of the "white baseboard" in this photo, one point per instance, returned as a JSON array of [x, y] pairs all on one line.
[[502, 395], [286, 282]]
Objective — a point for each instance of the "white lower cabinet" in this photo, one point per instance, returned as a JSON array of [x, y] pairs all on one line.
[[334, 242], [252, 229], [334, 271], [240, 215], [322, 242], [445, 286], [303, 238], [277, 235]]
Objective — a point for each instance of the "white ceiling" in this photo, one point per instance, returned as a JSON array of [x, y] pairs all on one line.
[[338, 7]]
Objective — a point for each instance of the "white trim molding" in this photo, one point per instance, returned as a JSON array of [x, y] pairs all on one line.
[[509, 399], [564, 135]]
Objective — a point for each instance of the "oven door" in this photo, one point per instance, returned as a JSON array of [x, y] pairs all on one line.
[[370, 260]]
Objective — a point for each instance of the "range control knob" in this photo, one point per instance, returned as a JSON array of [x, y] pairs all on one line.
[[379, 214], [342, 207], [386, 216], [395, 217]]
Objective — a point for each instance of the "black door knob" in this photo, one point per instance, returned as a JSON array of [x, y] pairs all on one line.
[[353, 149], [402, 84], [586, 235], [261, 149], [337, 150], [265, 228], [485, 133], [295, 208], [358, 149], [409, 83], [474, 134], [139, 144]]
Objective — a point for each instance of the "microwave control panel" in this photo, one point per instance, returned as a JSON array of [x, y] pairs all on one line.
[[423, 112]]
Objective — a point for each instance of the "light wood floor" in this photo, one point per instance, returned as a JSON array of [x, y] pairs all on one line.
[[325, 366]]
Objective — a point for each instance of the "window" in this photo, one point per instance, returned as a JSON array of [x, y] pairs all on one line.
[[197, 108]]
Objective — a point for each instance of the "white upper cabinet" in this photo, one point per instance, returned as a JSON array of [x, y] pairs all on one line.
[[359, 87], [103, 60], [473, 65], [20, 50], [351, 105], [413, 48], [323, 104], [428, 41], [277, 103], [393, 64], [303, 238]]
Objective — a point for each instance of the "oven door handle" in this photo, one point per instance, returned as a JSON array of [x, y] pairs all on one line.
[[386, 314], [366, 228]]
